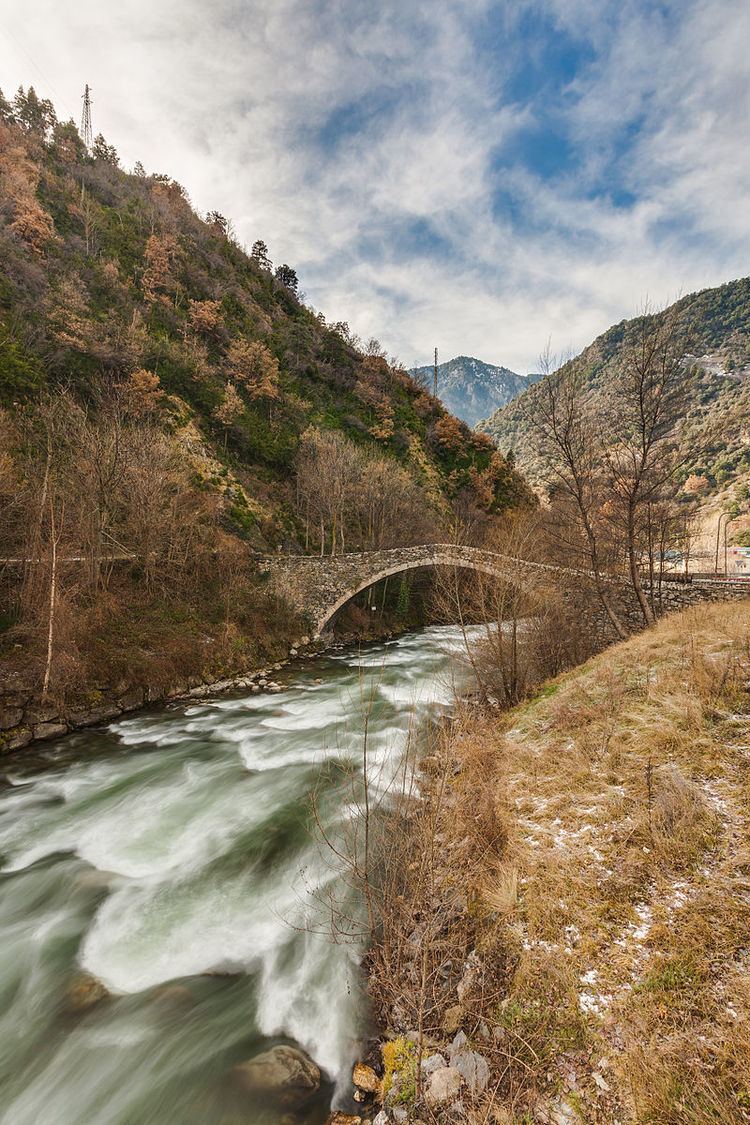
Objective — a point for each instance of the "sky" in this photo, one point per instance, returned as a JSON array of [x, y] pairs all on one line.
[[482, 177]]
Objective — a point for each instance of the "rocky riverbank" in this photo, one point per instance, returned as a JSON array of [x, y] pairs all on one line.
[[26, 719]]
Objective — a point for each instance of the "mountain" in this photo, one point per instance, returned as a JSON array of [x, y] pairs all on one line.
[[472, 389], [714, 434], [168, 405]]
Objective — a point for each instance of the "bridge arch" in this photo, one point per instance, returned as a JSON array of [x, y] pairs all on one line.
[[401, 568]]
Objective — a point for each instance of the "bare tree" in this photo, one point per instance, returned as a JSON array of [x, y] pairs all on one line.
[[349, 497], [566, 434], [643, 403]]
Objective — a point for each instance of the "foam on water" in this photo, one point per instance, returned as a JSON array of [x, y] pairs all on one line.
[[198, 820]]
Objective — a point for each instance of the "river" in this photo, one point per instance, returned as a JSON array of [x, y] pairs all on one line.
[[175, 857]]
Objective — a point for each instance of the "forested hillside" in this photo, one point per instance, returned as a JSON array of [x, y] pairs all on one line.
[[169, 403], [714, 436]]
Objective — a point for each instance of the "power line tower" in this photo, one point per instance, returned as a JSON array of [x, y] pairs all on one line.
[[435, 378], [87, 132]]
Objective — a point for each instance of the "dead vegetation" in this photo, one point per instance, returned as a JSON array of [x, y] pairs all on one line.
[[574, 891]]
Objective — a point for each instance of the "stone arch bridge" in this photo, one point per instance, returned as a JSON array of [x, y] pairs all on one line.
[[318, 586]]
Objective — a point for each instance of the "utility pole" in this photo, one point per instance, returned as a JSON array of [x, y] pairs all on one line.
[[87, 133], [728, 517], [435, 379]]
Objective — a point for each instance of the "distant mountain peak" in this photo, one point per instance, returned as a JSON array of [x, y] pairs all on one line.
[[473, 389]]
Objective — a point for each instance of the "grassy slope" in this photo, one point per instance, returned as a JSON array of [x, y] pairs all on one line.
[[601, 833], [572, 892], [715, 436]]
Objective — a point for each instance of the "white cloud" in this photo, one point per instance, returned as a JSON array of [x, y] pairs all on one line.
[[230, 98]]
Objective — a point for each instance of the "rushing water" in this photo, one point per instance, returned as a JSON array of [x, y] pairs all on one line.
[[173, 856]]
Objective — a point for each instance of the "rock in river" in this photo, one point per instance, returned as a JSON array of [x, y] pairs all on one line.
[[84, 991], [365, 1078], [284, 1073]]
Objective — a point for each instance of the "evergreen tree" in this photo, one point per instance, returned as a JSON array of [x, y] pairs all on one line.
[[288, 277], [217, 220], [105, 152], [67, 144], [32, 113], [6, 110], [259, 254]]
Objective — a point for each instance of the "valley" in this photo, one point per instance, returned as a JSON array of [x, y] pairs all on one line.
[[375, 739]]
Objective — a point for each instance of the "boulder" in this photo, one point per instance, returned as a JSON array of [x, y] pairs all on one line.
[[10, 717], [130, 700], [337, 1118], [17, 738], [473, 1067], [84, 992], [94, 715], [286, 1074], [365, 1078], [452, 1019], [432, 1063], [43, 713], [49, 730], [444, 1086], [220, 686]]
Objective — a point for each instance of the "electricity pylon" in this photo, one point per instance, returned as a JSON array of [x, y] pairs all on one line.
[[87, 132]]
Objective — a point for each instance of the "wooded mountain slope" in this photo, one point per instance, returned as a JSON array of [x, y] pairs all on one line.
[[107, 275], [714, 435]]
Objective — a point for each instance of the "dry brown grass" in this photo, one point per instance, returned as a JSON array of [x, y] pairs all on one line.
[[604, 831]]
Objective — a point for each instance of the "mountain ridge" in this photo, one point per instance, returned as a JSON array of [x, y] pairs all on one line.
[[473, 389], [714, 432]]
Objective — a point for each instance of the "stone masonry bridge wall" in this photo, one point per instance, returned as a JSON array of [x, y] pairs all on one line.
[[318, 586]]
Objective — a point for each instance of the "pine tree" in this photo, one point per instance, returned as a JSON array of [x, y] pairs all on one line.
[[6, 110], [32, 113], [288, 277], [105, 152], [259, 255]]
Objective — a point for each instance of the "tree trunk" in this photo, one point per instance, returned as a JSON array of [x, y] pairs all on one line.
[[601, 591], [52, 605], [635, 578]]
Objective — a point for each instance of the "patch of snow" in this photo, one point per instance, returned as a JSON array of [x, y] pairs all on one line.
[[640, 933], [594, 1004]]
